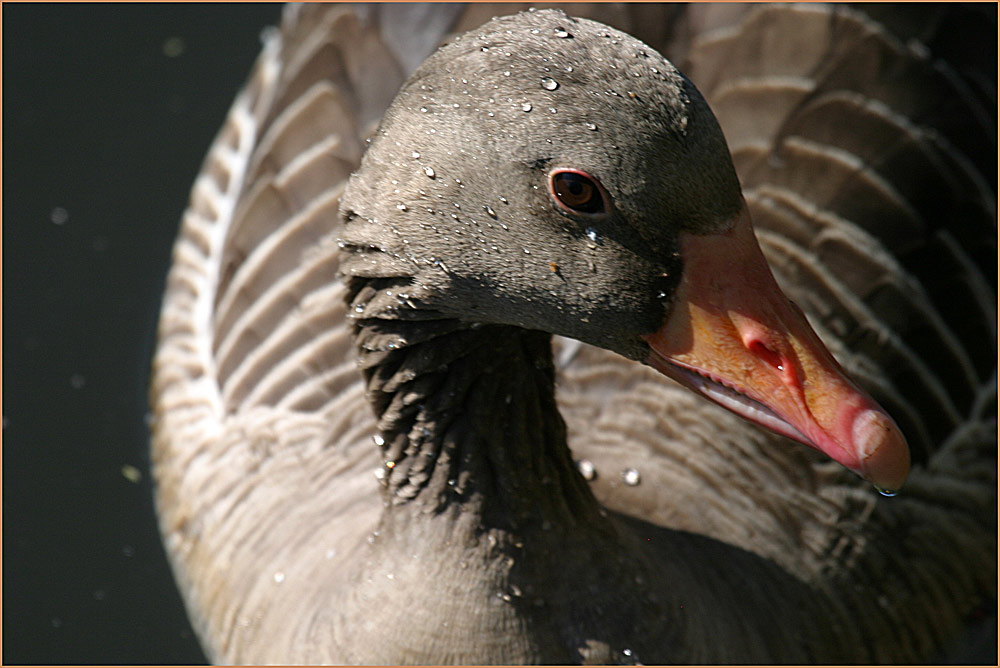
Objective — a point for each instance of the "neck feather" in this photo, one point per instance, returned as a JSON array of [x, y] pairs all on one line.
[[466, 414]]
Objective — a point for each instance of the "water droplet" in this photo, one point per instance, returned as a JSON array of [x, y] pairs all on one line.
[[526, 106], [279, 577], [593, 235], [586, 468], [549, 83], [423, 110], [131, 473], [561, 32], [415, 154], [59, 216], [360, 308], [173, 47], [502, 199], [401, 206], [429, 171], [886, 492], [630, 477], [506, 73], [590, 126], [490, 211]]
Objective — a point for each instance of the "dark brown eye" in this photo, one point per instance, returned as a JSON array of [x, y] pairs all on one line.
[[577, 192]]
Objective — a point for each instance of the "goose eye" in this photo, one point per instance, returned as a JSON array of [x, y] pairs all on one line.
[[577, 192]]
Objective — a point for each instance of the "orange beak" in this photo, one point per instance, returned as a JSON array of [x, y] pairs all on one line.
[[732, 336]]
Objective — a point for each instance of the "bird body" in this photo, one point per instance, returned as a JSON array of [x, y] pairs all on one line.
[[370, 448]]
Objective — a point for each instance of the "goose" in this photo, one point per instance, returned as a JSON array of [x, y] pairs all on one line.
[[478, 359]]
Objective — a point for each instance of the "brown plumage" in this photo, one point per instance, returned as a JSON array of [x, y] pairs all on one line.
[[864, 142]]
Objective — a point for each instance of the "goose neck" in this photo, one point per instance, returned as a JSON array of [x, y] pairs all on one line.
[[467, 420]]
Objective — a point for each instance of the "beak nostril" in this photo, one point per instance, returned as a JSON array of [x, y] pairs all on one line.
[[762, 351]]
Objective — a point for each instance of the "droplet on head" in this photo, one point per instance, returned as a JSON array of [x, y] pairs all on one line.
[[548, 83], [526, 106], [586, 468], [630, 477], [561, 33], [886, 492], [429, 171]]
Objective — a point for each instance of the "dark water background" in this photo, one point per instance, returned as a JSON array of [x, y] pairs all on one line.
[[107, 113]]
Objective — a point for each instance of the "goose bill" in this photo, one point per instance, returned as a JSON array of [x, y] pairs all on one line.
[[732, 336]]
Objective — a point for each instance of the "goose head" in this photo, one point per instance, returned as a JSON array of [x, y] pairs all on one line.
[[555, 174]]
